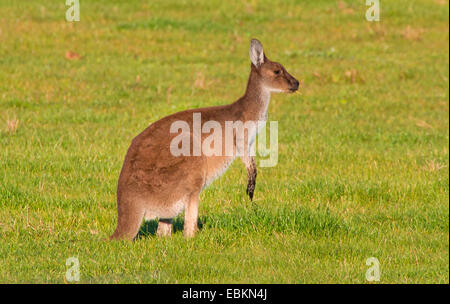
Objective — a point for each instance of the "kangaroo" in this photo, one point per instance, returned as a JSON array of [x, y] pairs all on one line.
[[155, 184]]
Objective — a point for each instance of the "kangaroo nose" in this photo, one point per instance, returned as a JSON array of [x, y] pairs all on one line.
[[295, 85]]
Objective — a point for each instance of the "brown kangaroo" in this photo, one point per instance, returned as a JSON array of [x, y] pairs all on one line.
[[155, 183]]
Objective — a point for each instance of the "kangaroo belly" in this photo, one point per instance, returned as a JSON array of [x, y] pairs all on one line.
[[216, 166], [160, 211]]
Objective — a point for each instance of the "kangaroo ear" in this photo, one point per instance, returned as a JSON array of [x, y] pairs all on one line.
[[256, 53]]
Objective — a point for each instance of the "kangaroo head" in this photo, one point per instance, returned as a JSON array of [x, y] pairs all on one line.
[[273, 76]]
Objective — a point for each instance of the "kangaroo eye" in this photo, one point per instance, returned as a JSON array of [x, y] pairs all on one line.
[[277, 72]]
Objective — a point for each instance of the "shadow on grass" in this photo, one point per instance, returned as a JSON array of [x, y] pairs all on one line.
[[149, 228], [317, 221]]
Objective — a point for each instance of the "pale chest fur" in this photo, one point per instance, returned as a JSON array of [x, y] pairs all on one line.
[[261, 117], [216, 167], [219, 165]]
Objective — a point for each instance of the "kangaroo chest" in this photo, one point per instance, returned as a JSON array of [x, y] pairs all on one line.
[[216, 166]]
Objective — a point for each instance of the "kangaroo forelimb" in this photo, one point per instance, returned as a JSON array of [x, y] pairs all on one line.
[[250, 163]]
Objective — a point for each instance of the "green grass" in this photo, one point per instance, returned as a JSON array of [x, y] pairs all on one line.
[[363, 155]]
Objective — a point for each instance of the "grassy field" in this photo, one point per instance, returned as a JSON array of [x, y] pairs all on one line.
[[363, 150]]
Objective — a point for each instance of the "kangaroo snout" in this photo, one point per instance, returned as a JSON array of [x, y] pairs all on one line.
[[294, 85]]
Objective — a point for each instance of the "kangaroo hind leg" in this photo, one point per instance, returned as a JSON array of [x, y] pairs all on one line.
[[191, 216], [164, 227], [128, 223]]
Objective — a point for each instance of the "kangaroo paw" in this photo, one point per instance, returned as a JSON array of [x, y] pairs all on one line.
[[251, 189]]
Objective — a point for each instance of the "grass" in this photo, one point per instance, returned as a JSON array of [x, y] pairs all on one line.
[[363, 151]]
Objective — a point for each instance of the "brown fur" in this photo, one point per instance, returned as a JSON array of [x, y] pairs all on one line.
[[155, 184]]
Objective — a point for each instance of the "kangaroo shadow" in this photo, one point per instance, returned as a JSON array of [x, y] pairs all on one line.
[[149, 228]]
